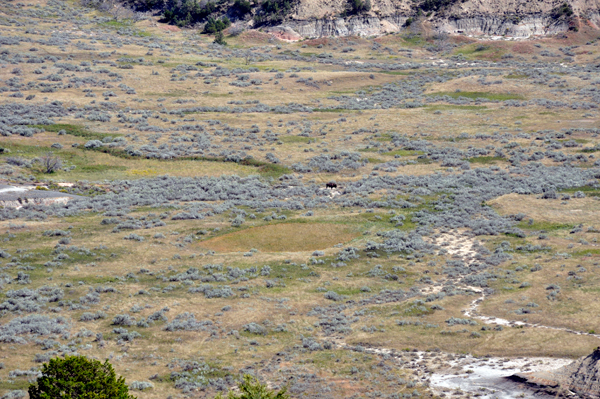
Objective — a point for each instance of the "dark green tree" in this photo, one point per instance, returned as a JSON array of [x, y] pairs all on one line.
[[77, 377], [357, 7], [251, 388], [274, 11], [219, 39], [242, 7], [188, 12], [564, 10], [436, 5], [216, 25]]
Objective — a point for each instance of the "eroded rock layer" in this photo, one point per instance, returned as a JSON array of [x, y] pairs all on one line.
[[582, 377], [512, 19]]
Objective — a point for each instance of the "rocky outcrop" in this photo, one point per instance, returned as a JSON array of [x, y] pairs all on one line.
[[322, 9], [355, 26], [284, 33], [515, 27], [508, 18], [582, 377], [528, 26]]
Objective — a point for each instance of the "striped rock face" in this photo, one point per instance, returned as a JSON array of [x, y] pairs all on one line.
[[580, 378]]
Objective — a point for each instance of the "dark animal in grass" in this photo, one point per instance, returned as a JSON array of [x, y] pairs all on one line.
[[331, 185]]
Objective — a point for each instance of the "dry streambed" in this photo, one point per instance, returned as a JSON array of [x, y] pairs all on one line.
[[487, 377], [462, 246], [17, 196], [457, 375], [452, 375]]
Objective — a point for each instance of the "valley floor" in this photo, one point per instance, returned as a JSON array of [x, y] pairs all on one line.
[[165, 205]]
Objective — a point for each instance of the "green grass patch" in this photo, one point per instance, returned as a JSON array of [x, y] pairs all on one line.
[[142, 33], [444, 107], [297, 53], [588, 190], [23, 150], [274, 171], [86, 167], [75, 130], [282, 270], [345, 290], [124, 24], [294, 139], [473, 48], [412, 39], [347, 91], [479, 94], [586, 252], [95, 280], [485, 160], [217, 94], [580, 141], [417, 310], [282, 237], [115, 152], [117, 24], [516, 76], [338, 110], [546, 226], [368, 221], [171, 93], [263, 168], [167, 65], [481, 51], [266, 169], [396, 73], [101, 168], [383, 137]]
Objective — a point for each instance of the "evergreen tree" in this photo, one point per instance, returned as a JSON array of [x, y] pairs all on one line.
[[77, 377]]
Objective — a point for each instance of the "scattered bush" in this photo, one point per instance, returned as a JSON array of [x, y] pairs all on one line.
[[251, 388]]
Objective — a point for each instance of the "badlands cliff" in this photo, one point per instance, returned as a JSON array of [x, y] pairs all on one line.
[[506, 18]]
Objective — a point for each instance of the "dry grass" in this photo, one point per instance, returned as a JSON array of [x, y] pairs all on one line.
[[283, 237], [575, 211]]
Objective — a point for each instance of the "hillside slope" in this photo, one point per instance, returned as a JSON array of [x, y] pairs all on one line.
[[293, 19]]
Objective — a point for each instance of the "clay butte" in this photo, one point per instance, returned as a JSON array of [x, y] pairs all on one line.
[[512, 19]]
